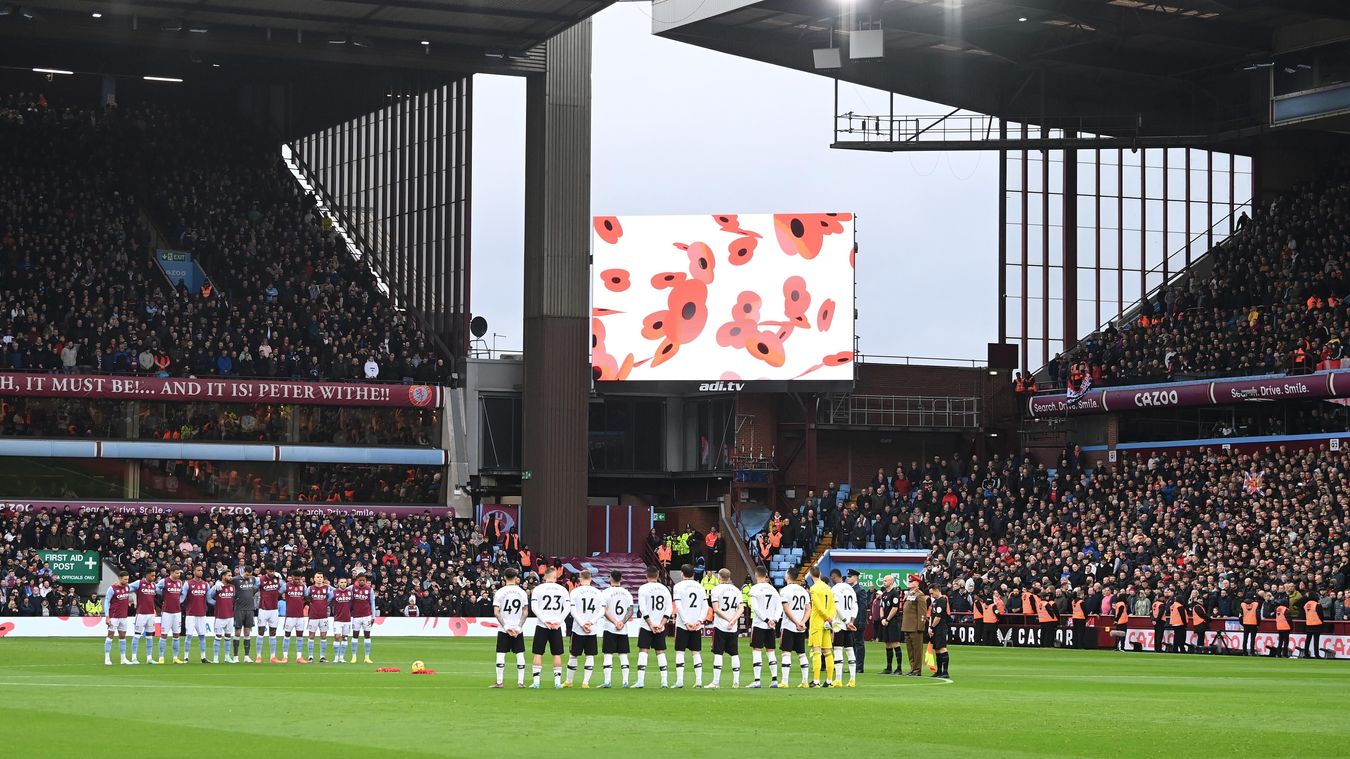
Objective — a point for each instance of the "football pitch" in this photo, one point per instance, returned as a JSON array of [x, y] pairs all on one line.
[[60, 700]]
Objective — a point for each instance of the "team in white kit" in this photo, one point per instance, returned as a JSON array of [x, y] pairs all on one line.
[[601, 621]]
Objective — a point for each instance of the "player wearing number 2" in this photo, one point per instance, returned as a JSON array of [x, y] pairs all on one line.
[[588, 609], [654, 605], [691, 611], [549, 603], [726, 606], [510, 605]]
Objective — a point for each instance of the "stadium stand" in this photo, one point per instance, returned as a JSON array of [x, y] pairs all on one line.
[[1270, 298], [284, 298], [1222, 525]]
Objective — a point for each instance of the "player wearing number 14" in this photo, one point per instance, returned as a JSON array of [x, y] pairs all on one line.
[[588, 609]]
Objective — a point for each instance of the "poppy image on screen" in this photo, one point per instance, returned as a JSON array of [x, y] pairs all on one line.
[[723, 297]]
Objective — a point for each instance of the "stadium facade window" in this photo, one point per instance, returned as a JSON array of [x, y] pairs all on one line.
[[64, 418], [499, 432], [24, 478], [627, 434]]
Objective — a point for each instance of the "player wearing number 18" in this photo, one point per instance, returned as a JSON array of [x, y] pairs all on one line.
[[549, 603], [653, 610]]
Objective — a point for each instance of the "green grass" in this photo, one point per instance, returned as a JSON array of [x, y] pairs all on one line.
[[59, 700]]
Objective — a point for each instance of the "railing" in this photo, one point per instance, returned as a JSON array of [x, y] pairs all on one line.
[[975, 127], [907, 411], [881, 358]]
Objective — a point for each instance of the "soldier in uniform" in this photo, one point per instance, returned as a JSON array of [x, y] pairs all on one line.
[[914, 622]]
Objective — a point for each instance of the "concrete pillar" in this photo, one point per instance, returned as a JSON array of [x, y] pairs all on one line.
[[557, 260]]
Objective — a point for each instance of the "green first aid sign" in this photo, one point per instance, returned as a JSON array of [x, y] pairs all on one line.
[[73, 566], [871, 578]]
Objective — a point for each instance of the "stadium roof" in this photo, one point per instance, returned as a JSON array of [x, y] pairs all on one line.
[[1171, 68], [472, 35]]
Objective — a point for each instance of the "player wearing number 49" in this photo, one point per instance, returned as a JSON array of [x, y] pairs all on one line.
[[550, 603], [510, 605]]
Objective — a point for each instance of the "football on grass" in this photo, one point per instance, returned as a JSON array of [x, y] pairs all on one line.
[[418, 666]]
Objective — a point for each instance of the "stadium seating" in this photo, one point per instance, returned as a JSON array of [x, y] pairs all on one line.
[[1269, 299], [285, 298]]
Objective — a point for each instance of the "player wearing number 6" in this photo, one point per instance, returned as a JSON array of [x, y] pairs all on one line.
[[846, 628], [549, 603], [509, 605], [726, 607], [588, 609], [618, 606], [822, 627]]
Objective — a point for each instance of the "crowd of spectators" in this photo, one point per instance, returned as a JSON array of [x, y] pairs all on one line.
[[1219, 526], [1273, 300], [285, 298], [282, 483]]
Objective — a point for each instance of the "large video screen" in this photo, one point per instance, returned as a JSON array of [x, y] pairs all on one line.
[[723, 302]]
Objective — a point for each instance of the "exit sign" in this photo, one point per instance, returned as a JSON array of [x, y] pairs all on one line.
[[527, 475], [659, 516]]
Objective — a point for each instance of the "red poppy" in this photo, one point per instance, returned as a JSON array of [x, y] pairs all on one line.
[[604, 311], [796, 299], [688, 302], [767, 348], [701, 261], [826, 315], [665, 352], [741, 250], [730, 223], [667, 279], [7, 627], [616, 280], [747, 306], [608, 228], [654, 324], [838, 359], [735, 334], [803, 234]]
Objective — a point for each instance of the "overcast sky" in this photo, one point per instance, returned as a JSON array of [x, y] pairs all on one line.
[[680, 129]]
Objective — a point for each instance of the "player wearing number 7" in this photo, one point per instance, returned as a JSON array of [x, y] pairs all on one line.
[[726, 606], [549, 603], [823, 613]]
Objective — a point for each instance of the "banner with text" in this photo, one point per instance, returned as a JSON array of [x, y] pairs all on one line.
[[73, 566], [1334, 384], [151, 508], [220, 390]]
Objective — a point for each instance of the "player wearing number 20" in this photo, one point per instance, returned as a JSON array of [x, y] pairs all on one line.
[[796, 615], [550, 603], [726, 607], [691, 611], [588, 609]]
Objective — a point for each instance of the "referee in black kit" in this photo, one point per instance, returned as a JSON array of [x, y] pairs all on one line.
[[939, 626]]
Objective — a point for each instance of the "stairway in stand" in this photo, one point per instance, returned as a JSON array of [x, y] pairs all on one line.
[[826, 543]]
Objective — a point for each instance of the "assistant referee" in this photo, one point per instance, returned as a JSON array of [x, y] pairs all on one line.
[[939, 627]]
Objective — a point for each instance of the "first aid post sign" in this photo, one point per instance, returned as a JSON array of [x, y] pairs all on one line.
[[73, 566]]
